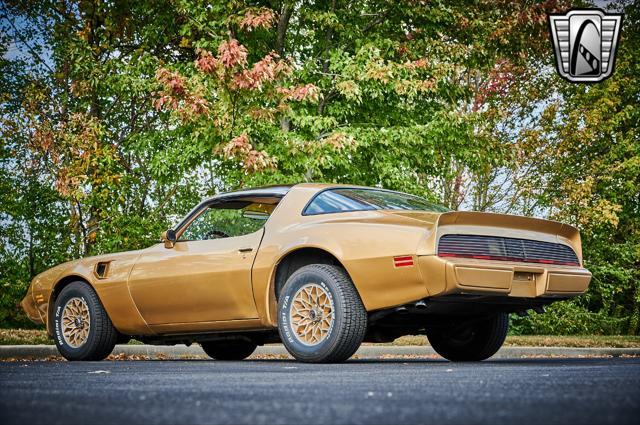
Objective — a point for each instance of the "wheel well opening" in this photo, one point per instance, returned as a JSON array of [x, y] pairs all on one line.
[[62, 283], [300, 258]]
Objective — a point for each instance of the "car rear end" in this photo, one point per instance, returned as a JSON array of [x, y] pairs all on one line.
[[513, 256]]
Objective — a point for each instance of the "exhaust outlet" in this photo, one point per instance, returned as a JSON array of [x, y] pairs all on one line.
[[421, 305]]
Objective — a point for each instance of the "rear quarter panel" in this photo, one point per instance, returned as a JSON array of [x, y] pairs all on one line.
[[365, 242]]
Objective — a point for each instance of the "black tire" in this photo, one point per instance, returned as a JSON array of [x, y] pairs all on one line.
[[229, 350], [472, 342], [102, 336], [349, 324]]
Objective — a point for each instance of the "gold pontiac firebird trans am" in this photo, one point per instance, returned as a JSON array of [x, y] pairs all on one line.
[[320, 268]]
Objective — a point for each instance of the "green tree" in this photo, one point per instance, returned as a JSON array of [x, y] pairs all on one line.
[[582, 161]]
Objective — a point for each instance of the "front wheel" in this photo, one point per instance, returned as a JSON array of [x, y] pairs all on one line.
[[83, 330], [473, 341], [321, 318]]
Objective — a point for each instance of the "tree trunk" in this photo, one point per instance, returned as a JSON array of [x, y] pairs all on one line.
[[283, 25]]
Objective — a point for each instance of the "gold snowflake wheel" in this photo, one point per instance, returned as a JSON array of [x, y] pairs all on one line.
[[312, 314], [76, 322]]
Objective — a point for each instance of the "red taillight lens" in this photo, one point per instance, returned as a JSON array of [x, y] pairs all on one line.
[[489, 257]]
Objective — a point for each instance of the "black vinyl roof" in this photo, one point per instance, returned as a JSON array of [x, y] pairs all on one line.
[[276, 191]]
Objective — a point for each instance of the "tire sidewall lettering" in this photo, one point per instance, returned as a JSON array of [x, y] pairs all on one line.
[[58, 325], [284, 320]]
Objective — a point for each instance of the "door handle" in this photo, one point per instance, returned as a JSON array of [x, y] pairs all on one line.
[[245, 249]]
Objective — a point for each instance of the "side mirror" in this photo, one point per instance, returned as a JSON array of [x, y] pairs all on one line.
[[169, 238]]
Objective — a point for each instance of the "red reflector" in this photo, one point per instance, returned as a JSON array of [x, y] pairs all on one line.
[[404, 261]]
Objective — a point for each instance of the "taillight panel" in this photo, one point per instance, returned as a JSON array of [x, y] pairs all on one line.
[[506, 249]]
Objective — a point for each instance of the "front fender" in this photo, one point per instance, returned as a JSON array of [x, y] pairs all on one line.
[[112, 289]]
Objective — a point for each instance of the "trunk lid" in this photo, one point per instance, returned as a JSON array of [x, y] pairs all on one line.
[[509, 226], [491, 224]]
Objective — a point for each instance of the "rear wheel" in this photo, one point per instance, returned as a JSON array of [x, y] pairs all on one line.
[[229, 350], [83, 330], [321, 318], [471, 342]]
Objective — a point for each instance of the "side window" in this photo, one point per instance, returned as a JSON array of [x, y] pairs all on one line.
[[217, 223], [356, 199], [332, 201]]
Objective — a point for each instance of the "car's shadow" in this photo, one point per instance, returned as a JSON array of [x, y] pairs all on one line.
[[399, 361]]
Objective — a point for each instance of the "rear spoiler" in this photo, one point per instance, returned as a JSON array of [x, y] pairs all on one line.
[[513, 223]]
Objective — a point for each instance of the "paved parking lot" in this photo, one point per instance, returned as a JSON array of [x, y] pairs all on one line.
[[503, 391]]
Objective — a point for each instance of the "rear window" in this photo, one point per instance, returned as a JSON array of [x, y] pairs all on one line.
[[343, 200]]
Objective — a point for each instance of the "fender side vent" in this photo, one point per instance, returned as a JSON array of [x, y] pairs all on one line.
[[102, 269]]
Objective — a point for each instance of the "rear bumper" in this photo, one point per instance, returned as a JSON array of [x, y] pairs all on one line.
[[469, 276]]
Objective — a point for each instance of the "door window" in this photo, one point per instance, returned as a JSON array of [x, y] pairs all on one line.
[[217, 223]]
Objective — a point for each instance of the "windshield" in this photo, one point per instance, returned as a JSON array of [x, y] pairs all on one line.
[[342, 200]]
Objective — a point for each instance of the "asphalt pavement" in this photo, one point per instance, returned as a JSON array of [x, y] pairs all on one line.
[[182, 352], [501, 391]]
